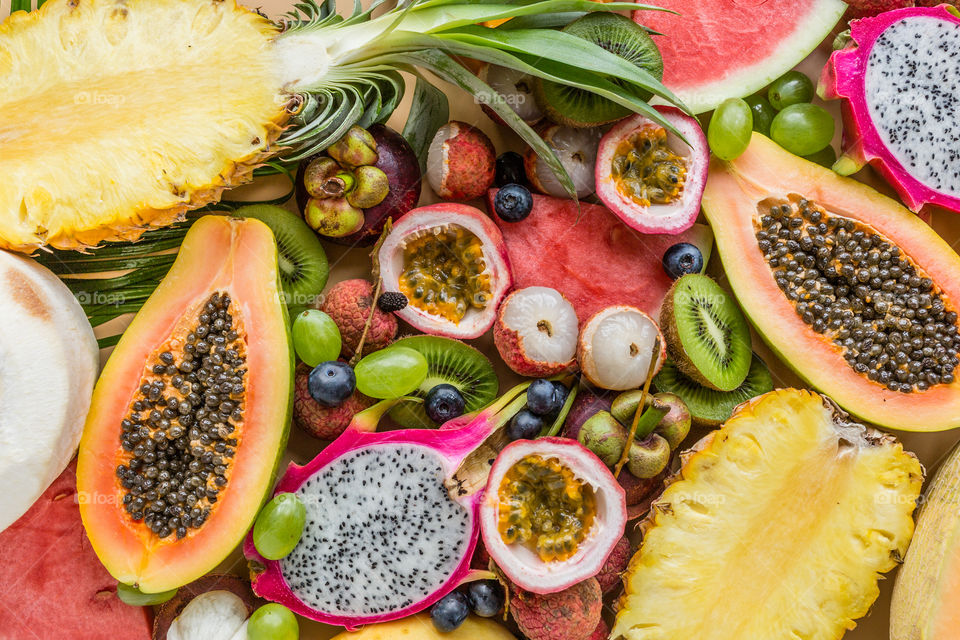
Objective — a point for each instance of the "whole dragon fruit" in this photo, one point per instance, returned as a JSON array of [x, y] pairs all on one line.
[[900, 85], [393, 518]]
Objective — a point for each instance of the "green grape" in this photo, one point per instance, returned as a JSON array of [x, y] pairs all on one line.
[[273, 621], [802, 129], [791, 88], [279, 526], [316, 337], [391, 372], [825, 157], [730, 128], [136, 598], [763, 114]]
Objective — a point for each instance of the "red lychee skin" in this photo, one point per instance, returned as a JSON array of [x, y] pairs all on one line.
[[349, 303], [511, 350], [609, 576], [325, 423], [602, 632], [867, 8], [470, 163], [571, 614]]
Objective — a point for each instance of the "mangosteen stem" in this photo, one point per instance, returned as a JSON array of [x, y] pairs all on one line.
[[643, 399], [377, 286]]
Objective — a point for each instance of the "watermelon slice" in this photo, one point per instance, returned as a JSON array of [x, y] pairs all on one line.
[[51, 583], [596, 261], [731, 48]]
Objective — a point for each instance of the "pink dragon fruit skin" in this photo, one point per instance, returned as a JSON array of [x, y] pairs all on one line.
[[453, 443], [844, 77]]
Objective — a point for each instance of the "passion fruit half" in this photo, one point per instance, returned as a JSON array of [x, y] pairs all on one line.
[[552, 514], [450, 261], [648, 176]]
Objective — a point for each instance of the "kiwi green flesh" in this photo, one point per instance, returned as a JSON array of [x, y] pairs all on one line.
[[452, 362], [619, 35], [709, 407], [301, 259], [706, 333]]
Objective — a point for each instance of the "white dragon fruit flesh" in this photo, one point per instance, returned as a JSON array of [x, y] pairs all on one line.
[[900, 84]]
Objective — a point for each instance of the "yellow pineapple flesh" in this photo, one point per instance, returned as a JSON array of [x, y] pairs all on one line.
[[117, 115], [778, 527]]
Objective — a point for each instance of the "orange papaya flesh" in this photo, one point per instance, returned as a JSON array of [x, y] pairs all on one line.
[[227, 269], [739, 193]]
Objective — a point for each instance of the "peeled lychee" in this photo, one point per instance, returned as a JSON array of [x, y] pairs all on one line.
[[319, 421], [461, 162], [577, 152], [609, 576], [571, 614], [514, 89], [349, 303], [536, 332], [616, 347]]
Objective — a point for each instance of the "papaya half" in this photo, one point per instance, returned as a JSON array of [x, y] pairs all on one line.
[[853, 291], [190, 415]]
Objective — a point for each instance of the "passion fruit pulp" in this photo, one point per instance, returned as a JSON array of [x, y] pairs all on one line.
[[546, 507], [646, 169]]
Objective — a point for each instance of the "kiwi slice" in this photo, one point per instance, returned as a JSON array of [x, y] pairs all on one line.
[[453, 362], [302, 260], [617, 34], [709, 407], [706, 333]]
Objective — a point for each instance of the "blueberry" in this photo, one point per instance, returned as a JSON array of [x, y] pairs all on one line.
[[513, 203], [450, 612], [510, 169], [330, 383], [562, 393], [542, 397], [486, 597], [682, 258], [525, 425], [444, 402]]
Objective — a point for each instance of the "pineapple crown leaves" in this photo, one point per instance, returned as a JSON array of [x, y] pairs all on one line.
[[361, 85]]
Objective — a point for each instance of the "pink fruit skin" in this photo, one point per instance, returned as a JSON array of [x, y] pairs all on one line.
[[453, 445], [630, 212], [844, 78]]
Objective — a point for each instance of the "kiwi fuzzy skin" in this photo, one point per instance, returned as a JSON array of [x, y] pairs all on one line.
[[668, 325]]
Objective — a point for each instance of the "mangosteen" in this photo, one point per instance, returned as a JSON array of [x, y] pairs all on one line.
[[396, 159]]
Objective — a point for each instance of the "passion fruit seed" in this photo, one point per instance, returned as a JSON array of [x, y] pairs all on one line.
[[544, 506], [444, 273], [856, 287], [646, 170], [180, 434]]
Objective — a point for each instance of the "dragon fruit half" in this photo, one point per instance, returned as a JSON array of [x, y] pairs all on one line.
[[900, 84], [392, 517]]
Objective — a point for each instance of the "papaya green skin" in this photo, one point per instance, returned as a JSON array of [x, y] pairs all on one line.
[[219, 253], [730, 204]]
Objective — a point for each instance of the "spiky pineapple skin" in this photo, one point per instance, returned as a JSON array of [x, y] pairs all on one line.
[[117, 116], [787, 544]]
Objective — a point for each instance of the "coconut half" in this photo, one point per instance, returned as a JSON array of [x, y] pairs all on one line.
[[434, 219], [48, 365], [616, 347]]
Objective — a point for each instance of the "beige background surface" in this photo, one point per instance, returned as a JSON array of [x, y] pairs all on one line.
[[349, 264]]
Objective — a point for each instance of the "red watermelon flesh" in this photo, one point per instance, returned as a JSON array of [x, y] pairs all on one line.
[[732, 48], [52, 586], [595, 262]]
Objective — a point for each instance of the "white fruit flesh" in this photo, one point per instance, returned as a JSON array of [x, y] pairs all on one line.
[[577, 151], [214, 615], [546, 323], [48, 365], [616, 347], [515, 89]]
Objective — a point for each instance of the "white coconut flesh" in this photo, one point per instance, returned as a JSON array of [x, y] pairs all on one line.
[[214, 615], [912, 88], [515, 89], [545, 322], [48, 366], [617, 348], [382, 533], [577, 150]]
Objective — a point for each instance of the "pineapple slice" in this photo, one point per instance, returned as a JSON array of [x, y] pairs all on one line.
[[778, 527], [117, 115]]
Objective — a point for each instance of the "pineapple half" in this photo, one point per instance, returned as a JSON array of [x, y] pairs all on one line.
[[119, 115], [778, 527]]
